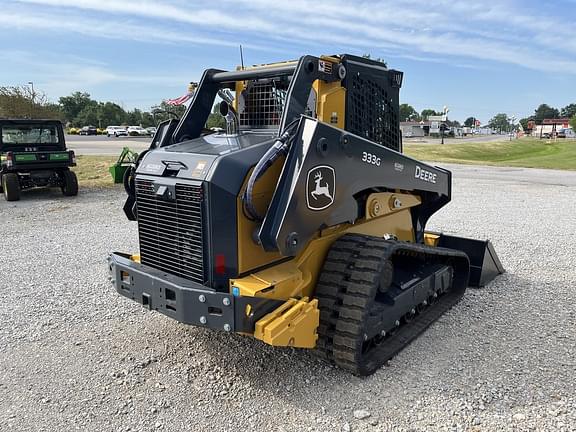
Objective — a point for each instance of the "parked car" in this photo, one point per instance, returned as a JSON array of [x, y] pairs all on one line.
[[137, 131], [88, 130], [566, 133], [151, 131], [116, 131]]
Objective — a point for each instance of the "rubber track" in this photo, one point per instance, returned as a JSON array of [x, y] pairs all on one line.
[[346, 290]]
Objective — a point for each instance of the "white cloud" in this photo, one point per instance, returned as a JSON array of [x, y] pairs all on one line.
[[505, 32], [63, 74], [107, 28]]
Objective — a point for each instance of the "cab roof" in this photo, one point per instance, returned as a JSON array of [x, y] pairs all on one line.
[[29, 121]]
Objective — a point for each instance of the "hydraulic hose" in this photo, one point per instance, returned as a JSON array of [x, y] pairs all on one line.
[[280, 148]]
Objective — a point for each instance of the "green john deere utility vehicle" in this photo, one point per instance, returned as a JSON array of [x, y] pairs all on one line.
[[33, 154]]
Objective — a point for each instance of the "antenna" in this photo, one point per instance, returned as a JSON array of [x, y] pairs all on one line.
[[241, 57]]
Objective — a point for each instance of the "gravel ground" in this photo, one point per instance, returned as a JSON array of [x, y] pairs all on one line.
[[76, 356]]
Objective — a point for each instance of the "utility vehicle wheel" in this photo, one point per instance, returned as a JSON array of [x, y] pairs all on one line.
[[70, 186], [11, 187]]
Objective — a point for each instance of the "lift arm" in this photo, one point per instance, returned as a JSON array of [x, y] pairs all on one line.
[[326, 169]]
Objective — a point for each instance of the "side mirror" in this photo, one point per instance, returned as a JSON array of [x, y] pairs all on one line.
[[224, 108], [231, 117]]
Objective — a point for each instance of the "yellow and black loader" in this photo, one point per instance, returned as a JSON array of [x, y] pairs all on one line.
[[301, 224]]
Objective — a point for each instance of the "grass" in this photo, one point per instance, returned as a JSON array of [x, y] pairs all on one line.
[[525, 152], [92, 171]]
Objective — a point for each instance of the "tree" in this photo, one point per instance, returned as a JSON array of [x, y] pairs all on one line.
[[500, 122], [470, 122], [72, 105], [215, 119], [428, 112], [89, 116], [21, 102], [568, 111], [134, 117], [408, 113], [573, 122], [148, 119], [111, 114], [524, 122], [545, 112], [165, 112]]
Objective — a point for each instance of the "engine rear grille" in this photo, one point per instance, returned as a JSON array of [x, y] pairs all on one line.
[[170, 232], [372, 101], [372, 111], [262, 104]]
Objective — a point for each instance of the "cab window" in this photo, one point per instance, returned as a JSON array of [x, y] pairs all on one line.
[[30, 134]]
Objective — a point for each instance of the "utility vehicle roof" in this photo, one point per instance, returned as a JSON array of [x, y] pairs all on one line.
[[29, 121]]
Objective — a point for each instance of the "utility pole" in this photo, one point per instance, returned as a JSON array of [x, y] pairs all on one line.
[[444, 120], [32, 100], [512, 123]]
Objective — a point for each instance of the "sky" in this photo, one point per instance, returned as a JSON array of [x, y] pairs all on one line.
[[476, 57]]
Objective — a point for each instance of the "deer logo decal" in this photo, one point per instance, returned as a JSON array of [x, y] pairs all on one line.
[[320, 187], [320, 190]]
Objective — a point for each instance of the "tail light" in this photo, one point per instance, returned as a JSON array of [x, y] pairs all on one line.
[[220, 264], [9, 159]]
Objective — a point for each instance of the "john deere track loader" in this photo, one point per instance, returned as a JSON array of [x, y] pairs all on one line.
[[301, 224]]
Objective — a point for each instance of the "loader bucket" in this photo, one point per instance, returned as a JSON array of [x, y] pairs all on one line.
[[484, 263], [117, 172], [126, 159]]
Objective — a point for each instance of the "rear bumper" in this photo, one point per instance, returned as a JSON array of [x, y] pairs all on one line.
[[186, 301], [41, 160], [38, 166]]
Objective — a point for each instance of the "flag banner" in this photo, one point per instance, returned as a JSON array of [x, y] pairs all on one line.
[[184, 98], [180, 100]]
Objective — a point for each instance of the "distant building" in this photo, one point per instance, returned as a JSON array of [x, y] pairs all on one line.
[[412, 129], [484, 131], [564, 122], [550, 126]]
